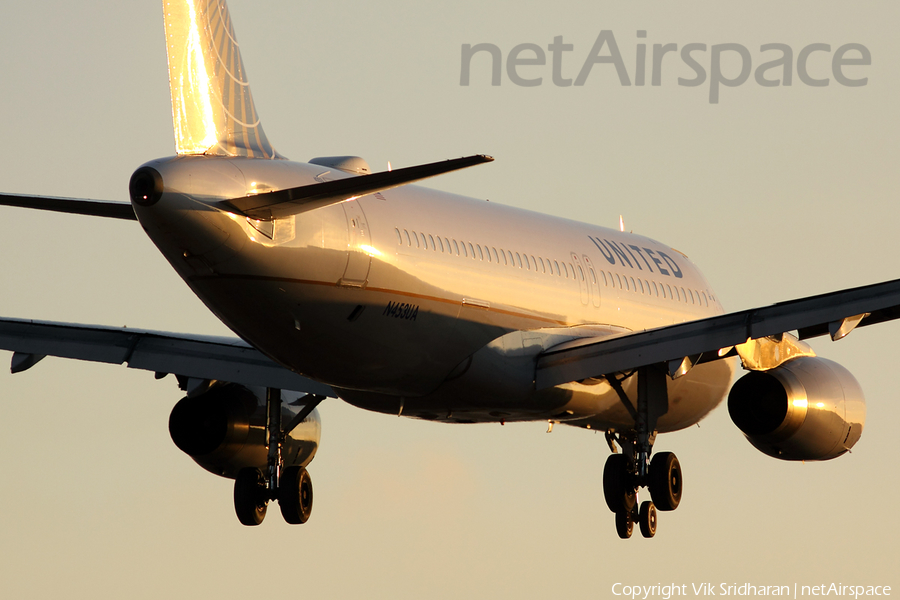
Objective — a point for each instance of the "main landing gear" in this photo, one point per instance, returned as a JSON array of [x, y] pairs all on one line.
[[624, 474], [291, 486]]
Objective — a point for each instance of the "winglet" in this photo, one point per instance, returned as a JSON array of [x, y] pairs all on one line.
[[212, 107]]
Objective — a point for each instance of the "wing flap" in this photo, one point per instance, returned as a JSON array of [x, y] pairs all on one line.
[[810, 316], [200, 357]]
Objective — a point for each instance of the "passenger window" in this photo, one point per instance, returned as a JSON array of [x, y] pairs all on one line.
[[705, 299], [496, 258], [580, 273], [471, 250], [399, 237], [463, 246], [440, 244], [424, 241], [447, 244], [512, 261], [433, 246], [593, 276], [408, 241], [455, 248], [543, 266], [633, 286], [480, 253], [556, 264], [519, 260], [641, 284], [416, 237], [683, 296]]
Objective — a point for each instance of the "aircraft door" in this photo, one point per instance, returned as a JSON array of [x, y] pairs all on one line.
[[358, 259], [593, 280], [581, 276]]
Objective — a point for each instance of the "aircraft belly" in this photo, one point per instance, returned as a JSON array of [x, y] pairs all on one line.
[[497, 384]]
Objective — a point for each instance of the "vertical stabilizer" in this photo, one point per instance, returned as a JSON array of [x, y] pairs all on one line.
[[212, 107]]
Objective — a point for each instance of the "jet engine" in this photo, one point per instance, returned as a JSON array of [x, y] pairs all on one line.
[[809, 408], [224, 430]]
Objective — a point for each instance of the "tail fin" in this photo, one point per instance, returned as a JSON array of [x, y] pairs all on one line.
[[212, 107]]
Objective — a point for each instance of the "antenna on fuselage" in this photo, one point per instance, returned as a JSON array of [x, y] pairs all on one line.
[[621, 224]]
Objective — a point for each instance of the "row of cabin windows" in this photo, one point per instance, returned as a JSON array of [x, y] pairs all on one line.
[[541, 265], [652, 288], [486, 253]]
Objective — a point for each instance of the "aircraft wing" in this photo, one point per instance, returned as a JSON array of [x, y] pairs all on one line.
[[198, 357], [836, 313]]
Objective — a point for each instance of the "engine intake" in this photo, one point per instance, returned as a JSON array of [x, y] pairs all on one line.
[[224, 430], [809, 408]]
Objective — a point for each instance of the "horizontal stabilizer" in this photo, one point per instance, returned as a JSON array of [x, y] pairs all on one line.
[[292, 201], [94, 208]]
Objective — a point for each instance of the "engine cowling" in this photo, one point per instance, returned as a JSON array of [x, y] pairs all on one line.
[[224, 430], [809, 408]]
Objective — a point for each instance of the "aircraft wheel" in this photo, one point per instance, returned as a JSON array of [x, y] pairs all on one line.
[[617, 490], [666, 481], [647, 519], [624, 524], [250, 496], [295, 495]]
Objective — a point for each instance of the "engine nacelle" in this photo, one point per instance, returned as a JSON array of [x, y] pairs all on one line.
[[809, 408], [224, 430]]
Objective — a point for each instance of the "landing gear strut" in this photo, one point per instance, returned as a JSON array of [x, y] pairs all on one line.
[[291, 486], [625, 473]]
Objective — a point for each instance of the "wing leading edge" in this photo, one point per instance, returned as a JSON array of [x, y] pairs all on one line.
[[198, 357], [835, 313]]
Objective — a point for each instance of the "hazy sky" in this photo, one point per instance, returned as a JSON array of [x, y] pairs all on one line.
[[776, 192]]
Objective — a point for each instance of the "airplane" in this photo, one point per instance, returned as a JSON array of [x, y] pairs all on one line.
[[344, 283]]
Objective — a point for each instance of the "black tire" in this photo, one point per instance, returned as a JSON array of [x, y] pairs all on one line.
[[250, 496], [295, 495], [666, 481], [624, 524], [647, 519], [617, 490]]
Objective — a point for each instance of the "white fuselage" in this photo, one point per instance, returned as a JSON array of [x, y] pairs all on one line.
[[424, 303]]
